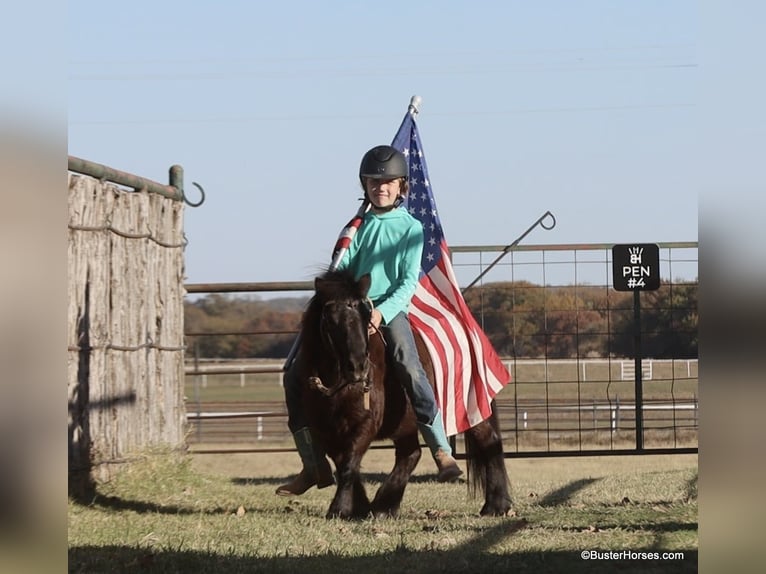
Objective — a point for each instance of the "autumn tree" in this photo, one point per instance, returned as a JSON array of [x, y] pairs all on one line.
[[520, 318]]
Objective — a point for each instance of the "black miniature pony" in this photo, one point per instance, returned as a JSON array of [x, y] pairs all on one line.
[[350, 399]]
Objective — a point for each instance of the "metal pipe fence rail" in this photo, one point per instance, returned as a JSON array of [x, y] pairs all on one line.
[[527, 427], [581, 406]]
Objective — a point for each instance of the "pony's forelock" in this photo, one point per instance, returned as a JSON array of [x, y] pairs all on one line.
[[336, 284]]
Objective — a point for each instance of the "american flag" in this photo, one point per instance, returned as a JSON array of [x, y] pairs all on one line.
[[468, 371]]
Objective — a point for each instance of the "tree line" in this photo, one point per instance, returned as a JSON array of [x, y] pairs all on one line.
[[521, 319]]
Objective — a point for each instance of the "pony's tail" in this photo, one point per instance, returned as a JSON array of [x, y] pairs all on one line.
[[486, 462]]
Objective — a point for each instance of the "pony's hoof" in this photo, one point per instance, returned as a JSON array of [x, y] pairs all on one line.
[[495, 509], [347, 514]]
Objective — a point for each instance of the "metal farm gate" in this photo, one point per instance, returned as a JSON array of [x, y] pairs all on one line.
[[125, 318], [571, 402]]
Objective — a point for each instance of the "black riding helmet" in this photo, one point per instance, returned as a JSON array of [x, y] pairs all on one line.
[[383, 162]]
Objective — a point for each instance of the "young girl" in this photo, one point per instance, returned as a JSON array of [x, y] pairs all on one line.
[[388, 246]]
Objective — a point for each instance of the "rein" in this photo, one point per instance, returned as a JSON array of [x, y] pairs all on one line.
[[317, 384]]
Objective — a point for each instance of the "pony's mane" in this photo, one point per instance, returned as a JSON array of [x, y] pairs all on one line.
[[333, 285], [330, 286]]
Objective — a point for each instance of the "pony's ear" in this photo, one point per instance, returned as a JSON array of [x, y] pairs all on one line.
[[364, 284]]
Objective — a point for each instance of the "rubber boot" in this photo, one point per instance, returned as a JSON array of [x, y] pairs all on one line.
[[436, 439], [316, 470]]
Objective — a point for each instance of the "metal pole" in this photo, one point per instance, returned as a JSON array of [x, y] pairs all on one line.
[[196, 392], [514, 244], [249, 287], [639, 374], [97, 170]]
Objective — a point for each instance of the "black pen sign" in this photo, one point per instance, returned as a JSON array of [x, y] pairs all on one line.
[[636, 267]]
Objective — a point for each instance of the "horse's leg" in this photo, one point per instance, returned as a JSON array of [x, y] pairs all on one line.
[[486, 467], [390, 494], [350, 499]]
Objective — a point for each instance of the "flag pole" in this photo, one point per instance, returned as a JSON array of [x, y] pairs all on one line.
[[349, 233], [510, 247]]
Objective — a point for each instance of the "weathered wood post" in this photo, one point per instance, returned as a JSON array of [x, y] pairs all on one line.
[[126, 319]]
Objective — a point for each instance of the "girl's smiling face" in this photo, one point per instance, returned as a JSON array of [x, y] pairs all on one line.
[[383, 193]]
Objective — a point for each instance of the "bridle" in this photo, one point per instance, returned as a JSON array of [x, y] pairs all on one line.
[[326, 337]]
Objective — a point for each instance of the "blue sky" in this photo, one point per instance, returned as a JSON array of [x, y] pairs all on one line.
[[587, 109]]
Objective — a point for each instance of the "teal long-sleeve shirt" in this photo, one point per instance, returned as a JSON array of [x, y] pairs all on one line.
[[388, 246]]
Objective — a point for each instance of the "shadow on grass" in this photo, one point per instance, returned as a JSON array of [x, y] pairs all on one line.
[[464, 558], [371, 478], [651, 527], [562, 495], [95, 500], [481, 550], [117, 503]]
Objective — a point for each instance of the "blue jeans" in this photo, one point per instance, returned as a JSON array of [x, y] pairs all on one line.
[[403, 360]]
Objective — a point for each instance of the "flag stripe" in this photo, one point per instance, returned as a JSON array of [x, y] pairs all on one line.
[[444, 327], [455, 402], [460, 396], [436, 350], [347, 235], [496, 367], [461, 374]]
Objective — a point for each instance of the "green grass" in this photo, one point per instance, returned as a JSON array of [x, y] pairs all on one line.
[[168, 513]]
